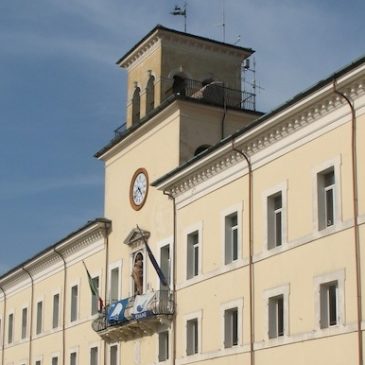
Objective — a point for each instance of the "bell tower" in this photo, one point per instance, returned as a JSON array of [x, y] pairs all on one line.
[[166, 63]]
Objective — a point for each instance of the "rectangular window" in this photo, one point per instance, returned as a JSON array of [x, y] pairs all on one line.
[[165, 264], [94, 356], [231, 327], [114, 285], [24, 323], [274, 220], [73, 358], [10, 327], [193, 254], [38, 362], [74, 302], [163, 346], [231, 238], [113, 355], [326, 198], [192, 336], [276, 316], [39, 318], [56, 311], [95, 298], [329, 304], [55, 360]]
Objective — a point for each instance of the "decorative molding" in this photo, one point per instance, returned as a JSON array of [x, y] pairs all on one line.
[[50, 262], [180, 40], [273, 133]]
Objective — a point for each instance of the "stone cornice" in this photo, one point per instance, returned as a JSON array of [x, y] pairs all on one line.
[[50, 259], [180, 39], [140, 51], [260, 138]]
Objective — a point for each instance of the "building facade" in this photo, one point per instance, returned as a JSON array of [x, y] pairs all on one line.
[[230, 236]]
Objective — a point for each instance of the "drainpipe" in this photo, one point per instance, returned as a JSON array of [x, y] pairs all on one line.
[[250, 252], [224, 114], [31, 314], [174, 269], [3, 329], [63, 306], [106, 228], [356, 223]]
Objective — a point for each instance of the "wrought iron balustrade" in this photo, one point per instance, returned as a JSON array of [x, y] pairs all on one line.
[[135, 316]]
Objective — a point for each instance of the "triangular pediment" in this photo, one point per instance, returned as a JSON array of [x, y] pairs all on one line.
[[136, 235]]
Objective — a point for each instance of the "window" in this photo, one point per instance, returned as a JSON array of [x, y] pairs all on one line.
[[74, 302], [38, 362], [56, 311], [136, 105], [274, 220], [326, 198], [24, 323], [328, 304], [54, 360], [94, 356], [192, 344], [165, 264], [231, 238], [95, 298], [39, 318], [277, 313], [73, 358], [329, 299], [192, 254], [231, 327], [163, 346], [276, 316], [114, 285], [10, 327], [150, 94], [113, 355]]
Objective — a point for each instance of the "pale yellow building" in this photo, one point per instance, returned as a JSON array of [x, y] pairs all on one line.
[[256, 222]]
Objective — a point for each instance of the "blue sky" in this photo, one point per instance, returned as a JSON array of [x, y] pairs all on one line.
[[61, 94]]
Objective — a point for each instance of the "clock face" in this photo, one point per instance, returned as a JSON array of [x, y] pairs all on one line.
[[138, 189]]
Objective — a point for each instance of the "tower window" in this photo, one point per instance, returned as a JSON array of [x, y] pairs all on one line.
[[179, 85]]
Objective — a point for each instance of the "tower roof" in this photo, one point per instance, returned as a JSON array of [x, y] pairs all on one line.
[[160, 31]]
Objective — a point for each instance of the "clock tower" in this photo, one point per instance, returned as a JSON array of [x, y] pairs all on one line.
[[184, 95]]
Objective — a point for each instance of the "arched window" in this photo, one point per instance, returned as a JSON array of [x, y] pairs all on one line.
[[179, 85], [137, 273], [150, 94], [136, 105]]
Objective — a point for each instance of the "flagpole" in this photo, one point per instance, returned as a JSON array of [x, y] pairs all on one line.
[[153, 261]]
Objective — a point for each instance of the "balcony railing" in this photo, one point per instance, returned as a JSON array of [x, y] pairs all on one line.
[[214, 93], [135, 317]]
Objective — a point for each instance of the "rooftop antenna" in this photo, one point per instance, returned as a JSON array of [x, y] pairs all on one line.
[[178, 10], [251, 83]]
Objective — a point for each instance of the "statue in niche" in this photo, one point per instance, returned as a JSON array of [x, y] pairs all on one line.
[[137, 274]]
